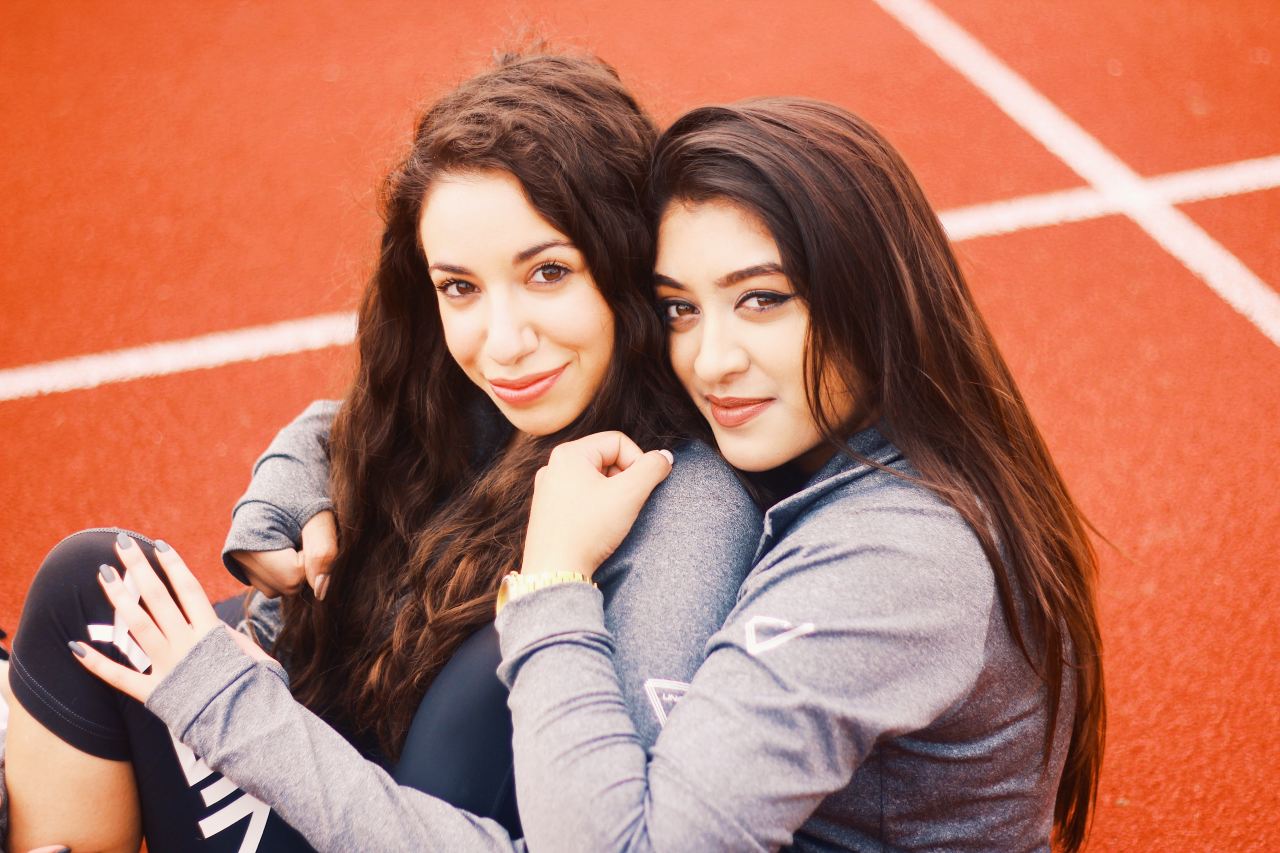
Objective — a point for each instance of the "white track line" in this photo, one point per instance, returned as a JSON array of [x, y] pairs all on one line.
[[1034, 211], [1019, 214], [213, 350], [979, 220], [1244, 176], [1105, 172]]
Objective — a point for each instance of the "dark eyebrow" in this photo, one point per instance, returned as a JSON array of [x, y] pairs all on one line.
[[738, 276], [520, 257], [728, 279], [450, 268], [530, 252]]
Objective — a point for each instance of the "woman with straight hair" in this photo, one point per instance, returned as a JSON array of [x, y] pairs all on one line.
[[508, 312], [914, 661]]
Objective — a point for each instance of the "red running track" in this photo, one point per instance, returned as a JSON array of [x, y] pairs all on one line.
[[171, 171]]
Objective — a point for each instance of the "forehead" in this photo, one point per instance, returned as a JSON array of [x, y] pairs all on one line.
[[480, 213], [701, 241]]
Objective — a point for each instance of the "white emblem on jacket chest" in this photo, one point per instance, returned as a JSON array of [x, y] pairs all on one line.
[[663, 696], [769, 632]]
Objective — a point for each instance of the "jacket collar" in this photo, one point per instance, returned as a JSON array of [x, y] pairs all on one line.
[[839, 470]]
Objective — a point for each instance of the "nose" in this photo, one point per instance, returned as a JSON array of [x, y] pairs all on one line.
[[720, 356], [509, 336]]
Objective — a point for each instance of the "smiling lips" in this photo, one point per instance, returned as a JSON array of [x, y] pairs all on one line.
[[736, 411], [526, 389]]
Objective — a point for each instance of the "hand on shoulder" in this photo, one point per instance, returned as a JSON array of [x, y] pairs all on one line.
[[585, 500]]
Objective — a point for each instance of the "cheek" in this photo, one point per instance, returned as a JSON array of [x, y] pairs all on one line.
[[683, 351], [780, 350], [600, 336], [463, 336], [582, 323]]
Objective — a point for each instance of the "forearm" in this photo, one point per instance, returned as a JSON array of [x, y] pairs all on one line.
[[290, 485], [239, 717], [582, 776]]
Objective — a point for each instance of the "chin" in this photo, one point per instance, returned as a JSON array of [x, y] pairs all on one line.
[[538, 426], [752, 456], [537, 421]]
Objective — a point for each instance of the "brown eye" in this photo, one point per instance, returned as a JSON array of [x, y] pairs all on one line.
[[763, 300], [677, 313], [550, 273], [456, 288]]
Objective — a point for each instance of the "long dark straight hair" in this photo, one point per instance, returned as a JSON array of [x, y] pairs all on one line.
[[431, 501], [890, 311]]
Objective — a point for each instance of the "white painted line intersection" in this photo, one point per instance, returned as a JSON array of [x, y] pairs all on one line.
[[1121, 187]]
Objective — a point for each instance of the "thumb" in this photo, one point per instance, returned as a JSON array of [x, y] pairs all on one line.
[[319, 545], [644, 474]]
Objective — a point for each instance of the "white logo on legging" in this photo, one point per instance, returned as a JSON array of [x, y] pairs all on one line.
[[193, 767], [196, 770]]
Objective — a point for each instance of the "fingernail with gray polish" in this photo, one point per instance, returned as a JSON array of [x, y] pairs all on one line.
[[123, 540], [162, 545], [77, 649], [108, 573]]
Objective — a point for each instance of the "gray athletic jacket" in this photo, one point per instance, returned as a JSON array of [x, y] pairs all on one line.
[[864, 694]]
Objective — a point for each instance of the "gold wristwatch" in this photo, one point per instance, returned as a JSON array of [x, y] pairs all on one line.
[[515, 584]]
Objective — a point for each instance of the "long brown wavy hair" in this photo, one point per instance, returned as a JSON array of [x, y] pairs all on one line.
[[431, 490], [890, 310]]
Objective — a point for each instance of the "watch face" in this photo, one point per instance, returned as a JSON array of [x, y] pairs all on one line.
[[504, 591]]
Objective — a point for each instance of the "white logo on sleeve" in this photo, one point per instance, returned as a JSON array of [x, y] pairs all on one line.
[[663, 696], [765, 633]]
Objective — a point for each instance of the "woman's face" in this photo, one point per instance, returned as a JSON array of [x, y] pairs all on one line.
[[736, 333], [521, 313]]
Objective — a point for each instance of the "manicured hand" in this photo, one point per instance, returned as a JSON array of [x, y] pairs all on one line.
[[167, 632], [586, 499], [319, 546], [283, 571]]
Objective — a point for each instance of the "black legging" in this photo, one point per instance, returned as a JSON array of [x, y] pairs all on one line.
[[458, 748]]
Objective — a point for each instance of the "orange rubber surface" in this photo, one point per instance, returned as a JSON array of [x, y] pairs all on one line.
[[170, 170]]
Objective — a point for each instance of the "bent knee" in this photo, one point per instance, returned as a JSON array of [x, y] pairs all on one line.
[[66, 582], [78, 556]]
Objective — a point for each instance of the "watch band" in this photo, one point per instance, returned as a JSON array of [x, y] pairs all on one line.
[[515, 584]]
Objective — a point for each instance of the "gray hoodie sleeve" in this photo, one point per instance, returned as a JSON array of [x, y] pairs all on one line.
[[834, 644], [290, 485], [286, 756], [674, 579]]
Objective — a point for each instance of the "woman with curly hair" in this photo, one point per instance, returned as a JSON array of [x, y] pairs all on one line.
[[509, 312]]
